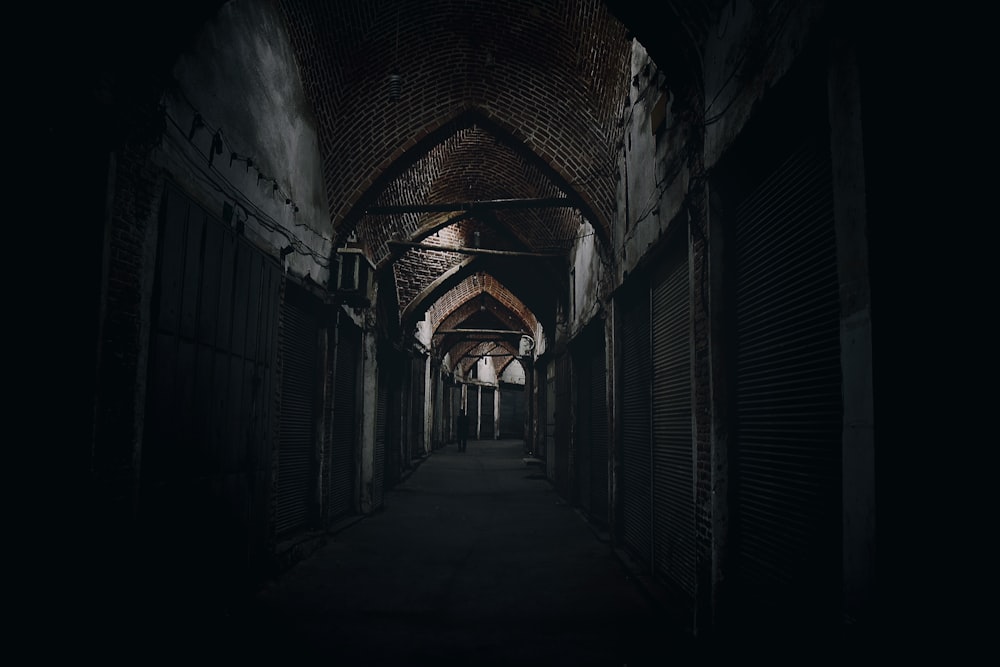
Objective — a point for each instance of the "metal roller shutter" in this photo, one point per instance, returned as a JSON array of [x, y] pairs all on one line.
[[208, 438], [673, 450], [487, 424], [417, 391], [636, 438], [395, 413], [598, 436], [456, 406], [472, 408], [563, 425], [381, 417], [340, 481], [549, 383], [439, 406], [296, 455], [788, 387], [512, 409], [581, 452]]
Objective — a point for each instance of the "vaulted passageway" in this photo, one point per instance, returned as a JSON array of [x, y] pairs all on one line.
[[633, 252]]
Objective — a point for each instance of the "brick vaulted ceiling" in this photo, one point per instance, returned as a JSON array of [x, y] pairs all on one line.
[[498, 101], [506, 99]]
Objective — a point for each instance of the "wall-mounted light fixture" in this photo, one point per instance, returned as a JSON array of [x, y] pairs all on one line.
[[353, 279]]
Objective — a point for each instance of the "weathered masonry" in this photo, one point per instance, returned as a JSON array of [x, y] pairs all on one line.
[[640, 247]]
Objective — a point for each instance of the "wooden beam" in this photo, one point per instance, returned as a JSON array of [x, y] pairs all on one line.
[[475, 251], [492, 354], [490, 204], [492, 332]]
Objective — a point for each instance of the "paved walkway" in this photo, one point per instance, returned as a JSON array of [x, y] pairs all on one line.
[[475, 560]]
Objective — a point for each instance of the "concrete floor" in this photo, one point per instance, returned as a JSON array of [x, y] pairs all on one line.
[[475, 560]]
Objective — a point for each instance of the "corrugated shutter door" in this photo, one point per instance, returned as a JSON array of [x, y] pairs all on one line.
[[581, 451], [550, 420], [487, 425], [456, 406], [415, 419], [520, 411], [598, 436], [340, 486], [381, 416], [636, 439], [563, 426], [512, 412], [673, 452], [212, 352], [472, 408], [788, 387], [296, 457]]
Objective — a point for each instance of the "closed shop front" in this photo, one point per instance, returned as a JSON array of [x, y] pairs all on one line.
[[487, 420], [673, 446], [206, 455], [512, 411], [637, 453], [418, 382], [295, 505], [343, 436], [548, 415], [657, 476], [563, 430], [787, 450], [382, 417], [591, 436]]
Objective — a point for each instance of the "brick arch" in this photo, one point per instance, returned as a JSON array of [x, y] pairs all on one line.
[[481, 310], [454, 306], [554, 74], [473, 164], [477, 310], [432, 170], [538, 296], [467, 354], [505, 362], [418, 268]]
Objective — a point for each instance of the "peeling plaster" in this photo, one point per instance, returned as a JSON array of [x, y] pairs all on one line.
[[588, 276], [242, 78]]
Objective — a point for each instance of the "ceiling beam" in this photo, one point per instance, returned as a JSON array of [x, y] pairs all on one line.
[[473, 251], [492, 332], [488, 204]]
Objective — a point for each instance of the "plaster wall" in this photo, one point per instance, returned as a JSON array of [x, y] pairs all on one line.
[[588, 284], [541, 343], [424, 333], [654, 164], [514, 373], [747, 53], [241, 77], [486, 372]]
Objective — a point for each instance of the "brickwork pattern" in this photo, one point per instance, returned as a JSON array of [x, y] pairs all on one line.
[[460, 302], [417, 268], [553, 75], [469, 352], [472, 165]]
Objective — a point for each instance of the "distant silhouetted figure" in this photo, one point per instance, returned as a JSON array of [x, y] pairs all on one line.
[[463, 430]]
